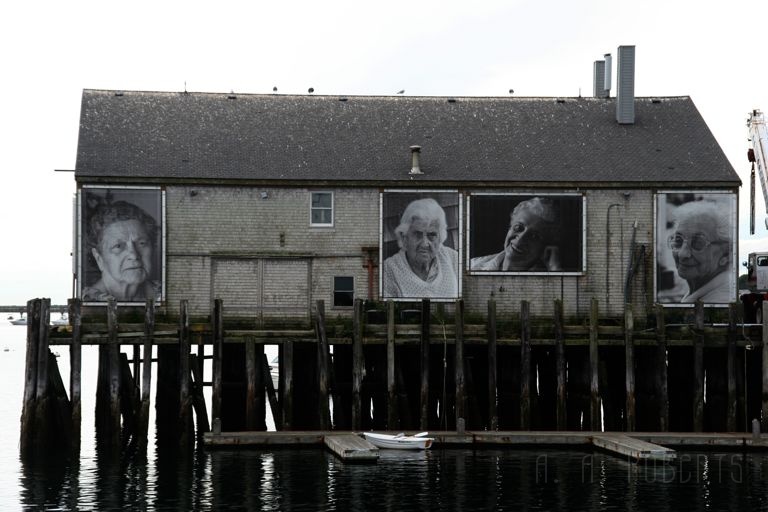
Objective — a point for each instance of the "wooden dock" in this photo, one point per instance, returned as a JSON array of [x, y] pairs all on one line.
[[635, 449], [351, 448], [640, 446]]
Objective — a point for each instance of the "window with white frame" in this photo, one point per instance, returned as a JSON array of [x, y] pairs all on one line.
[[343, 291], [321, 209]]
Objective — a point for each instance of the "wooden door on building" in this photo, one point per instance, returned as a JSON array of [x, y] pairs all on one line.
[[263, 288]]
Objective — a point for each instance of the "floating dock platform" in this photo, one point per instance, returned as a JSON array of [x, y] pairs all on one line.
[[639, 446], [635, 449], [351, 448]]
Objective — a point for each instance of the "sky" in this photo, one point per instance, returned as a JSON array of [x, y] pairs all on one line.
[[52, 50]]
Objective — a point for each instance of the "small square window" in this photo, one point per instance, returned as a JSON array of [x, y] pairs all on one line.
[[321, 209], [343, 291]]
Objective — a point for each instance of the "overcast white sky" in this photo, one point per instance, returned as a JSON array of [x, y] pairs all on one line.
[[712, 51]]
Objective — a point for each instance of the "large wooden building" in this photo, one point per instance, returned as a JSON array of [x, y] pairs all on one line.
[[272, 202]]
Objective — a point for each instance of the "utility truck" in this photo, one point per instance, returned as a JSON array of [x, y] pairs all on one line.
[[757, 262]]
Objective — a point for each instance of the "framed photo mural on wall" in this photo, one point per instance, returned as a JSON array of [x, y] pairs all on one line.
[[695, 248], [121, 244], [536, 234], [420, 244]]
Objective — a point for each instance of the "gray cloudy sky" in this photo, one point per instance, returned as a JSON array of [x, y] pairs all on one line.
[[711, 51]]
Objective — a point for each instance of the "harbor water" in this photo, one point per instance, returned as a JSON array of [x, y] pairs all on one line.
[[313, 479]]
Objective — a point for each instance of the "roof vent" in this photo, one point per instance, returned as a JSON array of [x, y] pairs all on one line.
[[608, 74], [415, 164], [625, 85], [598, 79]]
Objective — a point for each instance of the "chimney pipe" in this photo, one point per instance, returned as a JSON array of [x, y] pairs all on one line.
[[608, 74], [598, 80], [625, 85], [415, 167]]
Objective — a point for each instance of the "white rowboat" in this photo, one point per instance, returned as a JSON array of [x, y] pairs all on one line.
[[400, 441]]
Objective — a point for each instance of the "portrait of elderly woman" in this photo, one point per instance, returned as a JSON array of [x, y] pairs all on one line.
[[538, 234], [121, 256], [700, 247], [425, 264]]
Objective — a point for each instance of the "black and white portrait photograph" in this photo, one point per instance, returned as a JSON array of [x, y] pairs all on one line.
[[526, 233], [695, 248], [121, 244], [420, 245]]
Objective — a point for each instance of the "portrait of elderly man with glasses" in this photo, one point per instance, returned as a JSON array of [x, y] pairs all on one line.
[[702, 246]]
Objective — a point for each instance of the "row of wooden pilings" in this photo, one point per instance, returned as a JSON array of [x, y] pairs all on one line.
[[350, 376]]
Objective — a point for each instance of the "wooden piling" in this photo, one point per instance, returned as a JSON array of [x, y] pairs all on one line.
[[137, 364], [560, 364], [146, 374], [253, 387], [459, 365], [322, 364], [113, 375], [41, 428], [41, 387], [198, 399], [26, 441], [357, 363], [75, 369], [698, 368], [594, 365], [525, 366], [392, 423], [185, 401], [731, 413], [629, 366], [277, 414], [662, 389], [129, 399], [218, 346], [493, 417], [424, 366], [286, 381], [60, 419]]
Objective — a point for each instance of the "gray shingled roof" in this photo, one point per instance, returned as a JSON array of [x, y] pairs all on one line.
[[140, 136]]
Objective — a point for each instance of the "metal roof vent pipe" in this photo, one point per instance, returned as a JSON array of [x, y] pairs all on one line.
[[625, 85], [598, 81], [608, 74], [415, 164]]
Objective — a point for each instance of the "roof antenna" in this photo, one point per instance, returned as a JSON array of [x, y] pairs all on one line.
[[185, 87]]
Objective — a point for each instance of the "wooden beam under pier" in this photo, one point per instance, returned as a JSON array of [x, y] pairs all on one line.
[[629, 368], [561, 417], [392, 419], [525, 366], [493, 416], [146, 374], [424, 345], [698, 369]]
